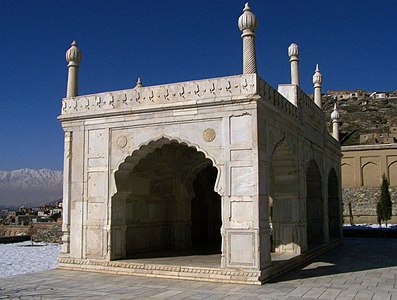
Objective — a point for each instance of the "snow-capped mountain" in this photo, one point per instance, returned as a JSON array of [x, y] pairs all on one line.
[[30, 187]]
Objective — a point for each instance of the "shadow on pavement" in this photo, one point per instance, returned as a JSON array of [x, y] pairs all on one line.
[[356, 254]]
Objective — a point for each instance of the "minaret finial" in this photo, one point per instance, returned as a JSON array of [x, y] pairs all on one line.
[[293, 53], [317, 81], [73, 57], [138, 83], [247, 23]]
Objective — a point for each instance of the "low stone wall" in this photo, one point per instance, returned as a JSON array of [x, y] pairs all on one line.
[[44, 232], [14, 239], [47, 232], [13, 230], [363, 200]]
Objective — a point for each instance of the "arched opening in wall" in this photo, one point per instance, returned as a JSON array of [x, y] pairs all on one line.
[[206, 211], [171, 208], [284, 201], [347, 175], [371, 174], [314, 205], [334, 218], [393, 174]]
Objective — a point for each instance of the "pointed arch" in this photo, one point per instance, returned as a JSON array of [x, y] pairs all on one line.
[[370, 174], [158, 200], [334, 205], [314, 205], [348, 175], [126, 167], [392, 171], [284, 199]]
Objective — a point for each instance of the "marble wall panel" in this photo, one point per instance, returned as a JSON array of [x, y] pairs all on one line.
[[94, 242], [96, 185], [240, 129], [242, 245], [241, 214], [241, 180]]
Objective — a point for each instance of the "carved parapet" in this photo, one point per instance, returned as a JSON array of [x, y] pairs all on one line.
[[311, 112], [160, 97], [274, 98]]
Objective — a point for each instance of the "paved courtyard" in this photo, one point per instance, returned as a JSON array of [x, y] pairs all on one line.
[[360, 269]]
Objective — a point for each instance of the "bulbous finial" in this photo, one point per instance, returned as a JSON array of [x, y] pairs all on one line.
[[247, 21], [73, 54], [293, 50], [138, 83], [317, 77], [335, 113]]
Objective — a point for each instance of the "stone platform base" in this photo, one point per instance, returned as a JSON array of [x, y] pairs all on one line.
[[213, 274]]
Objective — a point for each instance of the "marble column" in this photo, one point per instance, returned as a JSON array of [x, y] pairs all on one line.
[[317, 80], [73, 57], [293, 53], [247, 23], [335, 122]]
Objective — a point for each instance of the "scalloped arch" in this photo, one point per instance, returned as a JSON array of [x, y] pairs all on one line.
[[126, 167]]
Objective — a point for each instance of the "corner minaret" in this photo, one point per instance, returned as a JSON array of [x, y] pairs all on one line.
[[138, 83], [73, 57], [317, 80], [247, 23], [335, 122], [293, 53]]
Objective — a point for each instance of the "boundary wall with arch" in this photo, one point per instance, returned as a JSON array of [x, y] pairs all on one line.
[[362, 170]]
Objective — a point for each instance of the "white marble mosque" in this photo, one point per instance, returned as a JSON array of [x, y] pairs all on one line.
[[229, 171]]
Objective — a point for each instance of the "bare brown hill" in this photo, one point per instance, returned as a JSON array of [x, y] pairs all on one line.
[[362, 116]]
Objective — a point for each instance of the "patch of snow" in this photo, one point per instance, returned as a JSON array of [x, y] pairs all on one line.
[[374, 226], [22, 258]]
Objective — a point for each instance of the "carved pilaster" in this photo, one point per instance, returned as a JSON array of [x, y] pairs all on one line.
[[66, 192]]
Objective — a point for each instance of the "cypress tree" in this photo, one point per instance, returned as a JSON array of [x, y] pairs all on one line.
[[351, 214], [379, 213], [385, 201]]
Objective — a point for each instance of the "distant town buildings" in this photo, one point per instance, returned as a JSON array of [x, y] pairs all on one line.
[[360, 94], [27, 215], [378, 101]]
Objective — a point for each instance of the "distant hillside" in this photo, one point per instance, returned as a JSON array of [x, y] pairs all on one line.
[[362, 116], [30, 187]]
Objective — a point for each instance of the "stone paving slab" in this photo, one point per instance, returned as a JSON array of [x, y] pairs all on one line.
[[355, 270]]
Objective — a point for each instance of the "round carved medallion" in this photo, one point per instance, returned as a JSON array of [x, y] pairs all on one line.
[[209, 135], [121, 141]]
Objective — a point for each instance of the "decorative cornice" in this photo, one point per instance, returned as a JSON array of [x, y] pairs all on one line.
[[191, 92]]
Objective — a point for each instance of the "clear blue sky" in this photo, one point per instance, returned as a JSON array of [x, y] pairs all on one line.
[[354, 42]]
